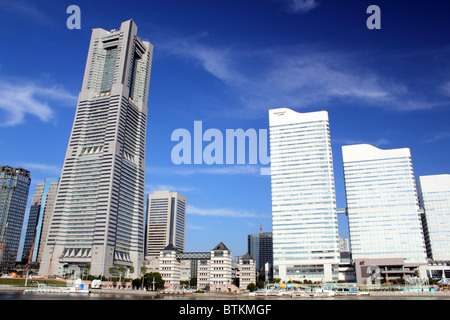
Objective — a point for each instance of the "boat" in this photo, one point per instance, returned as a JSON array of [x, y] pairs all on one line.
[[78, 288]]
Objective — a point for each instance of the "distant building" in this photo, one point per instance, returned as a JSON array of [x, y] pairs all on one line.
[[41, 212], [14, 187], [212, 269], [247, 271], [166, 222], [260, 248], [434, 199]]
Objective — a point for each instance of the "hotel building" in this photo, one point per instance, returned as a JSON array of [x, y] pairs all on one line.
[[434, 199], [98, 217], [166, 222], [304, 213], [383, 210]]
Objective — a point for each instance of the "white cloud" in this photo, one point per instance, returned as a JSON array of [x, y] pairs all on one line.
[[21, 98], [376, 143], [443, 135], [300, 6], [221, 212], [48, 168], [300, 77], [153, 188], [187, 170]]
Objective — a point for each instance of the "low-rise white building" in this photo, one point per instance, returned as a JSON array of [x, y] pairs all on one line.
[[247, 271]]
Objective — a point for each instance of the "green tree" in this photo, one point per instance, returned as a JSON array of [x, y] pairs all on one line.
[[252, 287], [143, 272], [153, 276]]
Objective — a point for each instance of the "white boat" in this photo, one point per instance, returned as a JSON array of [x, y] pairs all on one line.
[[43, 288]]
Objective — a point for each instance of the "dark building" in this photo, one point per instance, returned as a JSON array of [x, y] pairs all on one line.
[[260, 247], [14, 187]]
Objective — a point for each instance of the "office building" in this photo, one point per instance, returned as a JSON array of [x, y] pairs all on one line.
[[99, 212], [14, 187], [434, 199], [41, 211], [383, 210], [166, 221], [260, 248], [304, 213]]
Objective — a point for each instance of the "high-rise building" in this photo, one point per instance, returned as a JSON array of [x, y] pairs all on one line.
[[434, 199], [99, 212], [166, 222], [14, 187], [41, 211], [382, 204], [260, 248], [304, 213]]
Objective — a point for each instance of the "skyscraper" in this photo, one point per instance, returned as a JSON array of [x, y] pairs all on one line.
[[304, 213], [41, 211], [166, 222], [382, 204], [434, 198], [99, 211], [14, 187], [260, 248]]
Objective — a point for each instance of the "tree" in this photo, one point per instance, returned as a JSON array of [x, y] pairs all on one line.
[[252, 287], [156, 276], [143, 271]]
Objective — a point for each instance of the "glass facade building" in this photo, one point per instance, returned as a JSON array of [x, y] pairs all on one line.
[[166, 222], [99, 212], [14, 187], [304, 213], [260, 248], [434, 199], [382, 204], [41, 211]]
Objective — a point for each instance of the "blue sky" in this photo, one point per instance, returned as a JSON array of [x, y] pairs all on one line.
[[226, 63]]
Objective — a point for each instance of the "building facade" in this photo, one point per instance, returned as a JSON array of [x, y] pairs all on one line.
[[382, 205], [434, 199], [41, 211], [166, 222], [14, 187], [304, 213], [99, 212], [260, 248], [247, 271]]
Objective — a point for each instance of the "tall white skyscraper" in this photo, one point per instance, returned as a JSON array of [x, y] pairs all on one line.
[[99, 212], [382, 204], [166, 222], [434, 198], [304, 213]]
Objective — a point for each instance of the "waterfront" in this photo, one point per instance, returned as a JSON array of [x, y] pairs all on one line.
[[17, 294]]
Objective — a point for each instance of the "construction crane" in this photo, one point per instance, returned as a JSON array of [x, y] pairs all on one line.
[[260, 226]]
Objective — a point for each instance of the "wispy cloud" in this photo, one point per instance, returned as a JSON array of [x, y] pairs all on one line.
[[25, 10], [221, 212], [301, 76], [19, 98], [47, 168], [443, 135], [376, 143], [153, 188], [187, 170], [299, 6]]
